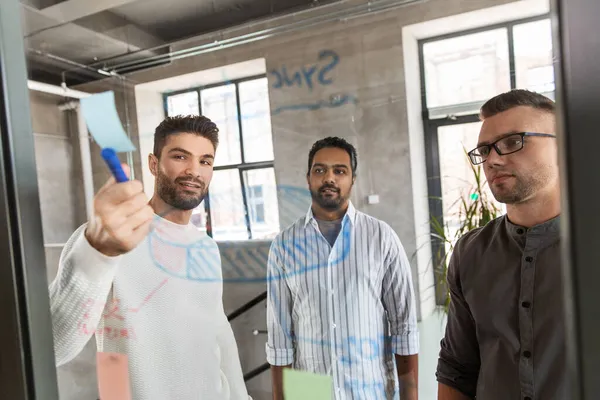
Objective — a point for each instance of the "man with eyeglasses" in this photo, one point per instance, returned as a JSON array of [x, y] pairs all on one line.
[[505, 335]]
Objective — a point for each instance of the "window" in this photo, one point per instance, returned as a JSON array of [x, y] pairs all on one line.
[[533, 56], [184, 103], [466, 69], [462, 70], [257, 204], [457, 174], [459, 72], [242, 201], [262, 198]]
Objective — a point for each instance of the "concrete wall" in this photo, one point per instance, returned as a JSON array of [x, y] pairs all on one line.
[[59, 173]]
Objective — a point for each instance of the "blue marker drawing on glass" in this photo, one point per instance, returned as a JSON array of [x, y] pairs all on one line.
[[232, 263], [203, 262], [104, 124]]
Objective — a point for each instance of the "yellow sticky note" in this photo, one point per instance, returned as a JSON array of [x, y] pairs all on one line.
[[113, 376], [301, 385]]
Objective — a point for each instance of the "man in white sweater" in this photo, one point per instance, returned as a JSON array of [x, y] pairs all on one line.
[[147, 284]]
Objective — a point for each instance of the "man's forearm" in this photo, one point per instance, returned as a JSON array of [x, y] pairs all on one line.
[[408, 376], [277, 381], [446, 392]]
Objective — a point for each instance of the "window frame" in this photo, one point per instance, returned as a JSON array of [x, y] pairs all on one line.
[[431, 125], [242, 166], [256, 201]]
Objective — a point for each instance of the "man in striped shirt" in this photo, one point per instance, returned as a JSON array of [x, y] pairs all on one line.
[[340, 294]]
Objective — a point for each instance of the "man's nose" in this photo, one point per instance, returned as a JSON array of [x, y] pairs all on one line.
[[193, 169], [494, 159], [329, 177]]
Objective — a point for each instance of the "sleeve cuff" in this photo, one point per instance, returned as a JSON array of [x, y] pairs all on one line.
[[90, 261], [279, 357], [451, 383], [406, 344]]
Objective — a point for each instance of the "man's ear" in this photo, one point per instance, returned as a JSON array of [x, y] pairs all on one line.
[[153, 163]]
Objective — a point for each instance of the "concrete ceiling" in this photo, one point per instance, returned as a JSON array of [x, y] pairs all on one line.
[[60, 36]]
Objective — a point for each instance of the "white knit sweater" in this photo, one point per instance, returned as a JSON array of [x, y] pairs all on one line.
[[161, 304]]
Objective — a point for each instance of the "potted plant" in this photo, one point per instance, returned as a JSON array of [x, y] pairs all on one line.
[[475, 210]]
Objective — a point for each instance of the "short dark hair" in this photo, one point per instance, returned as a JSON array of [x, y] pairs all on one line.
[[335, 142], [515, 98], [196, 124]]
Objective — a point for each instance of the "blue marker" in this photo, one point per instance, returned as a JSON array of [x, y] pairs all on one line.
[[114, 164]]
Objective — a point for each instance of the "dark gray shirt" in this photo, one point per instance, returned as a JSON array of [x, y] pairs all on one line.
[[330, 229], [505, 335]]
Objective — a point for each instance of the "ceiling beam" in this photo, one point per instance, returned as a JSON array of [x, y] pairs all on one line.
[[117, 27], [104, 31], [72, 10], [102, 35]]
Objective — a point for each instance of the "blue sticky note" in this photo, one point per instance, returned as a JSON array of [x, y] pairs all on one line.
[[103, 122]]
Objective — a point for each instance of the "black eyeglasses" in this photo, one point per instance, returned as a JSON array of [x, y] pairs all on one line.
[[505, 145]]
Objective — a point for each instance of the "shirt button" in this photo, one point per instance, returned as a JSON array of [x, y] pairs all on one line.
[[526, 354], [334, 326], [520, 231], [529, 259], [526, 398], [526, 304]]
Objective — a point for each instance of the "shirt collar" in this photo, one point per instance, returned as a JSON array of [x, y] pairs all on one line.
[[548, 228], [350, 215]]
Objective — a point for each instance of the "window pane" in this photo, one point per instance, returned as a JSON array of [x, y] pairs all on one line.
[[261, 195], [183, 104], [259, 213], [256, 120], [219, 104], [199, 217], [533, 56], [228, 218], [457, 176], [467, 68]]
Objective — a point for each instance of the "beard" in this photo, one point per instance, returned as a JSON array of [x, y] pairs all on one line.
[[523, 187], [329, 201], [177, 197]]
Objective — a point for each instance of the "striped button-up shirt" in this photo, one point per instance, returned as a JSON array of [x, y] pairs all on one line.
[[342, 310]]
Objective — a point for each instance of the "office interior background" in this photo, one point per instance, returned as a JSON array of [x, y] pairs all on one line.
[[402, 80]]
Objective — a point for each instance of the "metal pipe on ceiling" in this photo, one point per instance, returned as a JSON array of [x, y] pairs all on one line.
[[352, 12], [57, 90], [69, 62], [76, 66]]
